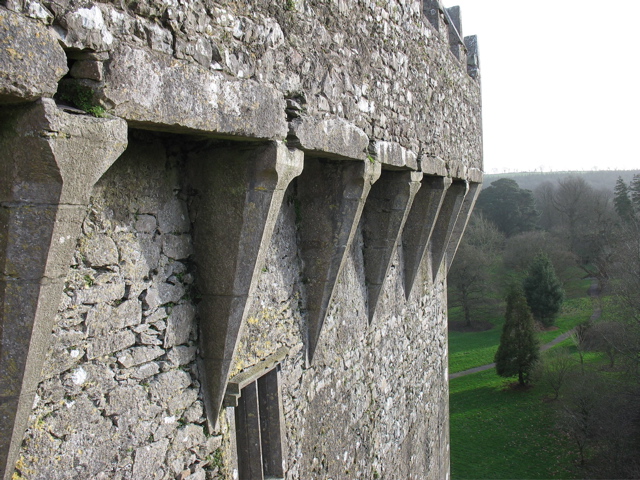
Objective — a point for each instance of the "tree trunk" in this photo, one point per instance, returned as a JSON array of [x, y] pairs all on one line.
[[466, 307]]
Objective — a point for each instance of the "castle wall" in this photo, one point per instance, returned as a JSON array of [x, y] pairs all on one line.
[[296, 178]]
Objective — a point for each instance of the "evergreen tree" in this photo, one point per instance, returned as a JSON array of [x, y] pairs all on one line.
[[543, 290], [518, 351], [511, 208], [621, 200], [634, 190]]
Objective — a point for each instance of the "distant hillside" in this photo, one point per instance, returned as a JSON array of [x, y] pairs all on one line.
[[600, 179]]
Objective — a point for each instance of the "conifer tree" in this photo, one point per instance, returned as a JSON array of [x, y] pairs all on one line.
[[634, 190], [518, 351], [621, 200], [543, 290]]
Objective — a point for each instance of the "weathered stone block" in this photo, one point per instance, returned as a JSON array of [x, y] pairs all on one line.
[[149, 460], [85, 29], [332, 137], [124, 398], [146, 223], [88, 69], [146, 370], [394, 156], [99, 251], [182, 355], [129, 313], [177, 247], [433, 166], [100, 293], [60, 360], [99, 320], [169, 384], [139, 355], [191, 435], [31, 59], [164, 293], [179, 325], [173, 217], [110, 343], [163, 91]]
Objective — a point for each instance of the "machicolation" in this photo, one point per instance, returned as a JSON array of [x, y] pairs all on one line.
[[225, 230]]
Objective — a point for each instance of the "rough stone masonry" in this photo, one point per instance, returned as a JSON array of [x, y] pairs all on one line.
[[225, 230]]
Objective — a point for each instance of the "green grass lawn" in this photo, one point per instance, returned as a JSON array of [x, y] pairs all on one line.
[[499, 433], [574, 311], [472, 349], [502, 433]]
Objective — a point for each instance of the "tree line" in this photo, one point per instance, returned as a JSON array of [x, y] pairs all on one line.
[[521, 246]]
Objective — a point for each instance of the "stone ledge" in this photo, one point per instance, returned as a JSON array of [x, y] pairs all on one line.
[[152, 89], [461, 171], [394, 156], [433, 166], [331, 138]]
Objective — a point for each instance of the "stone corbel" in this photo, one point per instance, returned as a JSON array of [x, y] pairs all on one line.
[[385, 214], [421, 225], [332, 192], [331, 196], [446, 222], [240, 194], [461, 222], [49, 162]]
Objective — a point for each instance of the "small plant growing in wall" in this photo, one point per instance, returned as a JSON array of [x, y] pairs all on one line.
[[290, 6], [80, 96]]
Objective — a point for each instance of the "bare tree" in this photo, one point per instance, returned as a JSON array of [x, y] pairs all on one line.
[[585, 218], [579, 339], [520, 250], [608, 337], [543, 194], [555, 368], [469, 274], [468, 280]]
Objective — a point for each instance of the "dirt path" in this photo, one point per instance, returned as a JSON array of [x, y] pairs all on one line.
[[593, 292]]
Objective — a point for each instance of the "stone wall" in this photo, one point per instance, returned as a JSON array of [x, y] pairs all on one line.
[[253, 180]]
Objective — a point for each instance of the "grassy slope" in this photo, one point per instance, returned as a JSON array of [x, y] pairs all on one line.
[[499, 433]]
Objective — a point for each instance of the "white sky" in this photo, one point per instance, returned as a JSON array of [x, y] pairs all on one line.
[[560, 82]]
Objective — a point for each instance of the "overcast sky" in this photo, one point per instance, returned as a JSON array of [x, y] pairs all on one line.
[[560, 83]]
